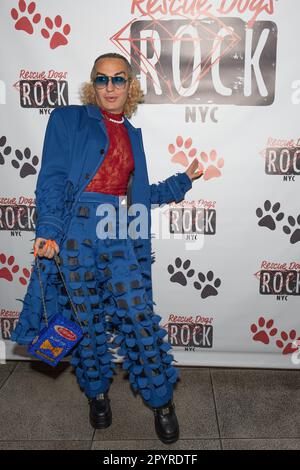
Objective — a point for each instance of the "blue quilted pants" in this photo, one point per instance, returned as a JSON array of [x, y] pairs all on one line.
[[106, 284]]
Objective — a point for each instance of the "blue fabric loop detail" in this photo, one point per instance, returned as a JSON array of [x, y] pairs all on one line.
[[89, 362], [85, 342], [147, 341], [96, 385], [126, 364], [79, 373], [101, 339], [165, 347], [106, 358], [101, 349], [173, 378], [167, 359], [159, 379], [88, 261], [118, 340], [137, 370], [161, 391], [142, 382], [75, 285], [150, 353], [94, 299], [162, 333], [86, 353], [130, 342], [146, 394], [92, 374], [123, 350], [99, 328], [78, 300], [63, 299], [133, 355], [109, 374], [127, 328]]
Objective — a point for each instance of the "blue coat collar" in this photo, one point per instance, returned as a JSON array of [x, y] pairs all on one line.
[[95, 113]]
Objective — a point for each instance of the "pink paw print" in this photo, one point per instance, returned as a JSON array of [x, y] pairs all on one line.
[[213, 170], [25, 278], [288, 342], [6, 271], [180, 154], [24, 23], [261, 334], [57, 38]]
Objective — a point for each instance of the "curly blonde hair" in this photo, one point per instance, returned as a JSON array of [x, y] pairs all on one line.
[[136, 96]]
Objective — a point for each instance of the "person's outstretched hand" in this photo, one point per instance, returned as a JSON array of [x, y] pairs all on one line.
[[45, 248], [195, 170]]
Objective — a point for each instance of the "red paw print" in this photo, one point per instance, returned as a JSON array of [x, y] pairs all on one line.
[[181, 156], [288, 342], [214, 169], [6, 271], [261, 334], [58, 38], [24, 23], [26, 276]]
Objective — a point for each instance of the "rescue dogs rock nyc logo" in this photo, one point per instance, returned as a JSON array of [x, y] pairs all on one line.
[[187, 55]]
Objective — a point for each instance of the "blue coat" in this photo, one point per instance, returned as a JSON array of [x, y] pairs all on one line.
[[75, 146]]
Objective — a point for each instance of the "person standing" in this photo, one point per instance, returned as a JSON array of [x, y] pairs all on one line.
[[93, 158]]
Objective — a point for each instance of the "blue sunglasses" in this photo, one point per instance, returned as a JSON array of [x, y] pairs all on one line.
[[101, 81]]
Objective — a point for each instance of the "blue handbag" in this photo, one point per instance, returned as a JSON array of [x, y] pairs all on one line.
[[59, 336]]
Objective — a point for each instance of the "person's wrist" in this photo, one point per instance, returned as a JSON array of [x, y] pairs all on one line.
[[191, 179]]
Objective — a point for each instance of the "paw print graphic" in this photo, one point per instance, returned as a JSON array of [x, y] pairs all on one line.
[[288, 342], [181, 155], [209, 289], [295, 237], [58, 38], [11, 268], [23, 23], [268, 220], [27, 167], [214, 169], [4, 150], [263, 331], [180, 276], [26, 276]]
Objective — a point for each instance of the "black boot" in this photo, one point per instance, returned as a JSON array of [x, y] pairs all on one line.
[[100, 411], [166, 424]]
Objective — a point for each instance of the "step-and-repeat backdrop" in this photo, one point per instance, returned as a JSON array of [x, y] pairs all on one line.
[[222, 83]]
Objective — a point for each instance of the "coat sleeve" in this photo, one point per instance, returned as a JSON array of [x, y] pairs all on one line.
[[172, 189], [52, 179]]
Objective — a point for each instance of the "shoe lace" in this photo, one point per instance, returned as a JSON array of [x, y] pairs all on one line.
[[165, 409], [101, 396]]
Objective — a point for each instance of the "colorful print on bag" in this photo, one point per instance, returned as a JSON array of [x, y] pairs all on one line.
[[56, 341]]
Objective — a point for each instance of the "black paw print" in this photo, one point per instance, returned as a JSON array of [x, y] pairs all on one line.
[[209, 289], [268, 220], [26, 168], [295, 237], [3, 151], [179, 276]]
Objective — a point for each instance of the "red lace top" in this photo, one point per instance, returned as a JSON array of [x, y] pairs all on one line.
[[113, 175]]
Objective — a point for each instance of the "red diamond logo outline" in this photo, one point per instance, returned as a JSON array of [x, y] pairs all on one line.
[[144, 65]]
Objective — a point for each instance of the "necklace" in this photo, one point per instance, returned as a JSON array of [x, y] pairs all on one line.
[[114, 120]]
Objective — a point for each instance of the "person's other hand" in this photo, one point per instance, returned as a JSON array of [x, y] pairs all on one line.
[[45, 248], [195, 170]]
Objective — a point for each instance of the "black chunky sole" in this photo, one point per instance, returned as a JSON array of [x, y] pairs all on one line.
[[169, 440], [101, 423]]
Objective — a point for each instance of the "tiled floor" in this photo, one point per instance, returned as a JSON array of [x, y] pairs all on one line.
[[43, 408]]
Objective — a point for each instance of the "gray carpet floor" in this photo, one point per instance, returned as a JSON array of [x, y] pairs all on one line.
[[43, 408]]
